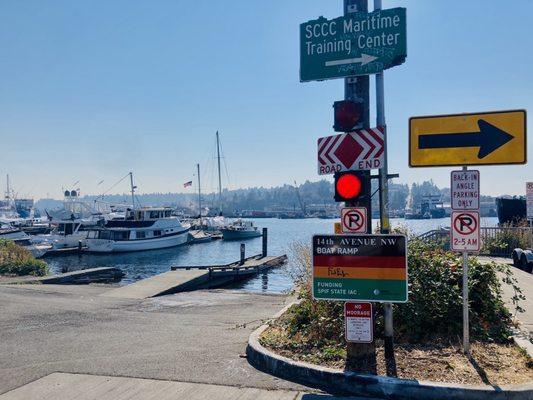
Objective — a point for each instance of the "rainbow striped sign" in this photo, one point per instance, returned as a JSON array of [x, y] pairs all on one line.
[[360, 267]]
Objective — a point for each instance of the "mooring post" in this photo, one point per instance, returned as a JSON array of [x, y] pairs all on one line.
[[243, 250], [265, 242]]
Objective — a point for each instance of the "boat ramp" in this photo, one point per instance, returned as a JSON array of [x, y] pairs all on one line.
[[181, 279]]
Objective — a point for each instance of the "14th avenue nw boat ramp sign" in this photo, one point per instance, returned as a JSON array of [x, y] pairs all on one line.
[[355, 44], [487, 138], [360, 267]]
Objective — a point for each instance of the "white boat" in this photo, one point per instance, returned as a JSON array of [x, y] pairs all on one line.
[[145, 228], [9, 232], [68, 234], [240, 229], [38, 250]]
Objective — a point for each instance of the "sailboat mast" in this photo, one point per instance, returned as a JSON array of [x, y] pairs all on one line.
[[199, 193], [219, 177], [132, 192]]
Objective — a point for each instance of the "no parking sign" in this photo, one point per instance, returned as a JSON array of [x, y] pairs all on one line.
[[465, 231], [353, 220]]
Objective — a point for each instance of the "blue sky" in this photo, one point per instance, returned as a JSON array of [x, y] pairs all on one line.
[[90, 90]]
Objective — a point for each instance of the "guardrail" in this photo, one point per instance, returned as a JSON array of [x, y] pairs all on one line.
[[495, 241], [500, 241]]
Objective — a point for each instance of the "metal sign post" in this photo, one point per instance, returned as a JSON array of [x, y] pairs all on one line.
[[357, 88], [466, 322], [384, 194], [466, 317]]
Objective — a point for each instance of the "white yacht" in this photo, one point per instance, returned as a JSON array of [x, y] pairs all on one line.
[[146, 228], [68, 233], [240, 229]]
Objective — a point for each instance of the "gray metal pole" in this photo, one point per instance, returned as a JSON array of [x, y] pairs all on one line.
[[466, 322], [466, 317], [357, 88], [384, 193]]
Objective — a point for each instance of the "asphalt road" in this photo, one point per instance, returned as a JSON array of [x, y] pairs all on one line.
[[191, 337]]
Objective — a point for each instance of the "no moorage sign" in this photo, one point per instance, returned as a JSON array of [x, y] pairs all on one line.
[[360, 267], [355, 44]]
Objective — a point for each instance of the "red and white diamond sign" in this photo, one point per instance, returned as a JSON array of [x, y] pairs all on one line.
[[358, 150]]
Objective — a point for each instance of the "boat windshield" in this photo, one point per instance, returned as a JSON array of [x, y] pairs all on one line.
[[66, 228]]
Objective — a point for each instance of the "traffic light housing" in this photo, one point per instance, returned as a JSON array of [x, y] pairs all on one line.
[[352, 187], [347, 115]]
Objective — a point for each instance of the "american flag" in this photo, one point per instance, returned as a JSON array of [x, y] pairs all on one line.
[[187, 184]]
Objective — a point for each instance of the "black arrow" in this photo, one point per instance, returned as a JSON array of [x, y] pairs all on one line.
[[488, 139]]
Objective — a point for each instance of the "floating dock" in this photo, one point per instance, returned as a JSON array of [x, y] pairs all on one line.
[[181, 279], [83, 276]]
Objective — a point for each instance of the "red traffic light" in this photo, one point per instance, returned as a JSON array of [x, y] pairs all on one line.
[[350, 186], [346, 115]]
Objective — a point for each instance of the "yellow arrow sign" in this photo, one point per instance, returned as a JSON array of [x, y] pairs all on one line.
[[497, 137]]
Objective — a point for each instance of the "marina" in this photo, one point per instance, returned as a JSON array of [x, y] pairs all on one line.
[[141, 265], [195, 207]]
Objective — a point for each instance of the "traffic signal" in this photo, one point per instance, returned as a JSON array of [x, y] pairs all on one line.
[[351, 186], [347, 115]]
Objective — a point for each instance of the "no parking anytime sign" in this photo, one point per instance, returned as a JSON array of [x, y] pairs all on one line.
[[353, 220], [465, 231]]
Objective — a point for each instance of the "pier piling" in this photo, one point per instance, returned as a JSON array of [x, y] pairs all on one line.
[[243, 254], [265, 242]]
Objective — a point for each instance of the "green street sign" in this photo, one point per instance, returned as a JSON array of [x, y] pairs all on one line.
[[354, 44]]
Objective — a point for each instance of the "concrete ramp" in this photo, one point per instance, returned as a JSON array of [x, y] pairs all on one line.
[[166, 283]]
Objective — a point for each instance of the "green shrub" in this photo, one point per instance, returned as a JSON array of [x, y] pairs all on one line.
[[435, 297], [434, 309], [505, 240], [16, 260]]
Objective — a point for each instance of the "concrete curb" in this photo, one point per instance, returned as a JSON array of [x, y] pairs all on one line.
[[350, 383]]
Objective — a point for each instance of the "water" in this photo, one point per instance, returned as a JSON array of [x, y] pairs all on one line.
[[281, 234]]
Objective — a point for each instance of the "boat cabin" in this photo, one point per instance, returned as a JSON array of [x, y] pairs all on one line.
[[142, 223], [148, 214]]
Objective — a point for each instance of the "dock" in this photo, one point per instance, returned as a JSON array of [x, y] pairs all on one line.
[[187, 278], [80, 277]]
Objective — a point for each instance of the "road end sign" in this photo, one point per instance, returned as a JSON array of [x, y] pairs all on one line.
[[489, 138], [353, 220], [465, 190], [359, 322], [358, 150], [529, 199], [465, 231], [355, 44], [360, 267]]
